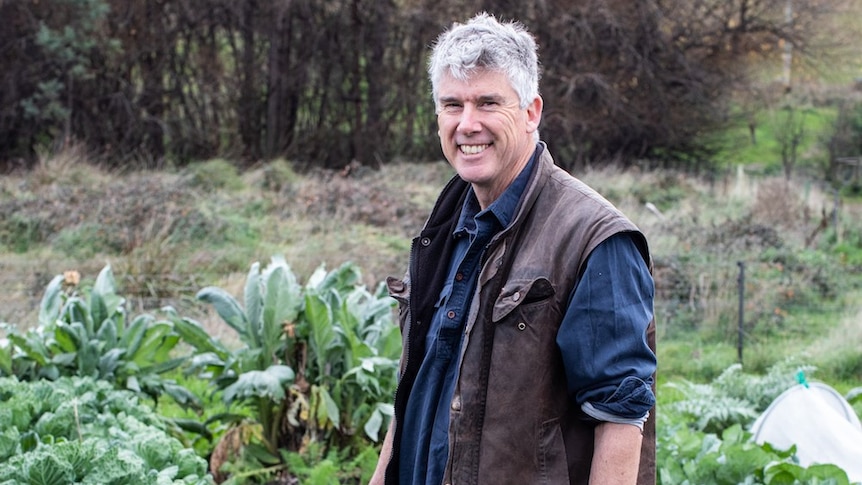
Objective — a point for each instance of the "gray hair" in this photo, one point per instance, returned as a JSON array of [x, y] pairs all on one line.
[[485, 43]]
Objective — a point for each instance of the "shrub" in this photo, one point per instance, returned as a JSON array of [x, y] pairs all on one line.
[[279, 176], [20, 232], [317, 364], [688, 457], [214, 174], [733, 398]]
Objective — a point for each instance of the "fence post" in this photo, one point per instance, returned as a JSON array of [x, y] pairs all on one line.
[[739, 331], [835, 220]]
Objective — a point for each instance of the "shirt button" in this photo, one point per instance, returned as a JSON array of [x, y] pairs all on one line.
[[459, 276], [450, 314]]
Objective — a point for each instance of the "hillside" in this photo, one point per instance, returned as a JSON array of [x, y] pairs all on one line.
[[167, 234]]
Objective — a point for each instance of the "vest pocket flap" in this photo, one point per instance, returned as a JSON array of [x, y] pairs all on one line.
[[521, 292]]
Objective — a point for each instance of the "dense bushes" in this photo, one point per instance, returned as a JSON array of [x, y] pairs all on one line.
[[327, 82]]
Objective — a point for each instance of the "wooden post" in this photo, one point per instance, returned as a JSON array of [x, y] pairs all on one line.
[[740, 328]]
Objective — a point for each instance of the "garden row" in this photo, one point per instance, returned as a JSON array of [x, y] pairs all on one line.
[[92, 394]]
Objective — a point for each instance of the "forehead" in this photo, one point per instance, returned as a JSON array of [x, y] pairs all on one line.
[[482, 82]]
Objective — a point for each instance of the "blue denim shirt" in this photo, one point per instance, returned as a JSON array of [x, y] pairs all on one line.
[[607, 318]]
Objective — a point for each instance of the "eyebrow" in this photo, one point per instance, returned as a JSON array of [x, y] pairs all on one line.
[[497, 98]]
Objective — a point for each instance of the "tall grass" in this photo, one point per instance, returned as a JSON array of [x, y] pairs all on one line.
[[169, 234]]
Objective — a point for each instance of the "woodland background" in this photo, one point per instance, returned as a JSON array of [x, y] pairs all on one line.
[[323, 83]]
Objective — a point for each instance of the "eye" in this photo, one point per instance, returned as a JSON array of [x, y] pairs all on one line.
[[451, 106], [489, 103]]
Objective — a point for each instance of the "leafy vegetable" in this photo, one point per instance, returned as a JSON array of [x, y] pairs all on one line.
[[86, 432]]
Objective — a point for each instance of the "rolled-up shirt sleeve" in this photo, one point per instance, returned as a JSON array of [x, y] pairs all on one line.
[[603, 336]]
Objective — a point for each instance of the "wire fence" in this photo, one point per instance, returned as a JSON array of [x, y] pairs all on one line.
[[746, 303], [737, 301]]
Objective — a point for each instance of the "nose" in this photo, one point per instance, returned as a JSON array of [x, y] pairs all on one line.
[[469, 121]]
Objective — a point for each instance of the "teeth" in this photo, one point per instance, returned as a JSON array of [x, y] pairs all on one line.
[[472, 149]]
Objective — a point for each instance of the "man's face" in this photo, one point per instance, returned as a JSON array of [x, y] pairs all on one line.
[[485, 134]]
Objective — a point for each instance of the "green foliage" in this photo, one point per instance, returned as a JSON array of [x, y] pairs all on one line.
[[88, 333], [668, 191], [86, 240], [67, 52], [311, 467], [709, 409], [733, 398], [691, 457], [318, 361], [82, 431], [846, 141], [20, 233], [761, 152], [214, 174], [849, 248], [702, 437], [279, 175]]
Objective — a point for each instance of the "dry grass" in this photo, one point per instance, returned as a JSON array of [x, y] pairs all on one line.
[[68, 166], [845, 335], [167, 238]]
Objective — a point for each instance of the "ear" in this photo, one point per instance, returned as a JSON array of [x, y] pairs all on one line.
[[534, 114]]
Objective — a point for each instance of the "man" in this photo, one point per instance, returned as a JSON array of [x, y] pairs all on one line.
[[526, 312]]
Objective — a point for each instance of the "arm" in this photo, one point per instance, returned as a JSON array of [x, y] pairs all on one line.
[[616, 455], [383, 460], [609, 363], [603, 340]]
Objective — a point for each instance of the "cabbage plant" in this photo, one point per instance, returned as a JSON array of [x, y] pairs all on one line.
[[83, 431], [317, 363], [87, 331]]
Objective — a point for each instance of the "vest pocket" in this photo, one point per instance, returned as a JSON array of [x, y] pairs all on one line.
[[553, 468], [522, 293]]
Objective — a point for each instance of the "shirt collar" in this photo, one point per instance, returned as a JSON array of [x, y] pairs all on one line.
[[503, 208]]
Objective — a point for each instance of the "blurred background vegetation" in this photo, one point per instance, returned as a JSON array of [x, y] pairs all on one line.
[[324, 83]]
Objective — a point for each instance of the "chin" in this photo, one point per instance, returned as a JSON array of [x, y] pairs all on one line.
[[472, 175]]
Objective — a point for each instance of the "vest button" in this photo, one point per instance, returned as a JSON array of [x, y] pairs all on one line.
[[456, 403], [522, 325], [425, 241], [516, 297]]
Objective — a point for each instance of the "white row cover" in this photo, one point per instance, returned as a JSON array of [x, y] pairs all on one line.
[[820, 422]]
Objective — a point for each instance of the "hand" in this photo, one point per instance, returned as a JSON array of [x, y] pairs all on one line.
[[385, 453]]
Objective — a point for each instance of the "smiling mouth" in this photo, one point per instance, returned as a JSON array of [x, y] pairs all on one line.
[[473, 149]]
